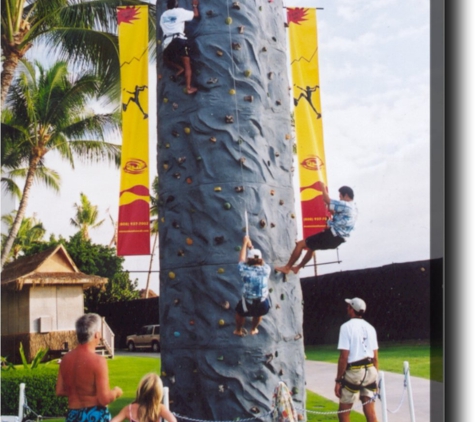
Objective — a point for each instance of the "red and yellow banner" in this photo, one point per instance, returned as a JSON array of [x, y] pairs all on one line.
[[302, 27], [134, 202]]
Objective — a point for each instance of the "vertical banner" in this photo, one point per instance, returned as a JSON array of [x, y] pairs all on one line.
[[302, 30], [133, 236]]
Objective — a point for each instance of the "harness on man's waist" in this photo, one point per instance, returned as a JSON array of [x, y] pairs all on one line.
[[176, 35], [354, 388]]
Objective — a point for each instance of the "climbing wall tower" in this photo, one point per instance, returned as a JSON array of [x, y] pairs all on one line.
[[225, 150]]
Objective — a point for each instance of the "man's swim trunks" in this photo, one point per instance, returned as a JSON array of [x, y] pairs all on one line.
[[89, 414]]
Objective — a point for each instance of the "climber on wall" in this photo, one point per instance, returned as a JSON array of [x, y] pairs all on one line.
[[255, 297], [344, 214], [175, 44]]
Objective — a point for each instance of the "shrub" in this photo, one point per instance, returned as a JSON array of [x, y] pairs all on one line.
[[40, 391]]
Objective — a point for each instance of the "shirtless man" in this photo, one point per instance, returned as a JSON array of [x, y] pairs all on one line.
[[83, 376]]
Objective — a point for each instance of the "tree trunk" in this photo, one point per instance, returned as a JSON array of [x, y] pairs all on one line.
[[234, 132], [21, 210]]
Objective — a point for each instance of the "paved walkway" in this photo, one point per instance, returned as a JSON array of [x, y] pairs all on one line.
[[321, 380]]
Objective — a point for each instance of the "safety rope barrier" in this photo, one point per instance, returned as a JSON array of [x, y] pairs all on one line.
[[178, 416]]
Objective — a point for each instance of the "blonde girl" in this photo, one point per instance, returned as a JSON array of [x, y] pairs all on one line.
[[147, 406]]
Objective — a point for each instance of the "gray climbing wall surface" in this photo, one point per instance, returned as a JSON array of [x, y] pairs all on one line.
[[222, 151]]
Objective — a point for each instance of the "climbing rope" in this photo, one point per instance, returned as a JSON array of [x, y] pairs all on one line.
[[178, 416]]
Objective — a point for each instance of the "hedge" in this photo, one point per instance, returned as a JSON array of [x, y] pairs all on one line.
[[40, 391]]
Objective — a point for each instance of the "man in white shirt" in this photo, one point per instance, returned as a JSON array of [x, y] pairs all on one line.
[[357, 373], [175, 44]]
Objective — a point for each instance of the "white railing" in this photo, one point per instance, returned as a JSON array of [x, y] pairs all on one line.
[[107, 337]]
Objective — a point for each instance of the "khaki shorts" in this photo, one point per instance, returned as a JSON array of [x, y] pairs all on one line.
[[355, 376]]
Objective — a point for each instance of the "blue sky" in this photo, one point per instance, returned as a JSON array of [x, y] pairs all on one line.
[[374, 77]]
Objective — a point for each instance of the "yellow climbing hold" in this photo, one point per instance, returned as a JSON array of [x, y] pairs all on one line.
[[162, 219], [187, 130], [247, 73], [165, 100], [228, 20], [221, 322], [232, 91], [172, 275], [220, 270], [217, 189]]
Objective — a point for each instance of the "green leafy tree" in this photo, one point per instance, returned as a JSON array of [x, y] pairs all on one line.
[[83, 32], [31, 231], [49, 113], [86, 217]]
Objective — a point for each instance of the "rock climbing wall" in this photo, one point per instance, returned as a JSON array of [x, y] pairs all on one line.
[[222, 151]]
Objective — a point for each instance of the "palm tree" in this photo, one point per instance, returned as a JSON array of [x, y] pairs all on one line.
[[86, 217], [49, 113], [83, 32], [222, 152], [31, 231]]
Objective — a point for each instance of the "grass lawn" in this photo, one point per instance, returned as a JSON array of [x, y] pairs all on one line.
[[392, 356]]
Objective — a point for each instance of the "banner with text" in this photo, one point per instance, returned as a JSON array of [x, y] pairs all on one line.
[[133, 237], [303, 42]]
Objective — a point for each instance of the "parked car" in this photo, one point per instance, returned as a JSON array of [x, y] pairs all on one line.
[[147, 337]]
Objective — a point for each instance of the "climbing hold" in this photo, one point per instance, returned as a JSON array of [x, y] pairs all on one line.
[[225, 304], [164, 374], [277, 154], [165, 100], [269, 358], [260, 8], [189, 180], [171, 275], [237, 248], [272, 225], [298, 336], [187, 130], [270, 75], [242, 160], [264, 49], [176, 175], [167, 145], [287, 136], [262, 223], [274, 38], [241, 29], [295, 390], [212, 139], [236, 5], [171, 198], [254, 410], [165, 165], [219, 53], [249, 98], [180, 252], [221, 357], [176, 301], [221, 322], [281, 372], [217, 189], [175, 134], [210, 13], [239, 189], [282, 297], [272, 192], [278, 102], [220, 270], [227, 206], [247, 73], [189, 241], [219, 240], [192, 322], [276, 353], [228, 20], [229, 119], [221, 388], [162, 219], [199, 158], [212, 80], [176, 334], [292, 215], [174, 106], [232, 91], [181, 160], [175, 225], [236, 46]]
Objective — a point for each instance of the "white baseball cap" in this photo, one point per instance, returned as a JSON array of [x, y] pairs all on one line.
[[357, 304], [254, 253]]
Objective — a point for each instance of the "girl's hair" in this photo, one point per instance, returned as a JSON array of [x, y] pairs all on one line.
[[255, 261], [148, 397]]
